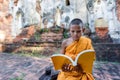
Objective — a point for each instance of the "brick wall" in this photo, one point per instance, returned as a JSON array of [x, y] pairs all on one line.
[[118, 9], [26, 33], [5, 20]]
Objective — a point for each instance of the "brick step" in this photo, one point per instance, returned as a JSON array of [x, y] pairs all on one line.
[[44, 43]]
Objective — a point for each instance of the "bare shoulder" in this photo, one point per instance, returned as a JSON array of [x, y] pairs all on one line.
[[64, 42], [64, 45]]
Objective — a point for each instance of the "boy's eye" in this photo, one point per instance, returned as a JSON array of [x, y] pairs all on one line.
[[73, 31], [78, 31]]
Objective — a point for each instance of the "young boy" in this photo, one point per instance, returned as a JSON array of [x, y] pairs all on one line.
[[71, 47]]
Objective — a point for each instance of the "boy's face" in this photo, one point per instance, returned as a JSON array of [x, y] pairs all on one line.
[[75, 32]]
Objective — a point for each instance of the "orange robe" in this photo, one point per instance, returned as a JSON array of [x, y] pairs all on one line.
[[72, 50]]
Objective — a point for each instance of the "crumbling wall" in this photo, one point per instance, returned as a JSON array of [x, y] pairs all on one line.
[[118, 9], [5, 22]]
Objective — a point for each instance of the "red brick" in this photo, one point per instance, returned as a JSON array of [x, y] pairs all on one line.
[[2, 47]]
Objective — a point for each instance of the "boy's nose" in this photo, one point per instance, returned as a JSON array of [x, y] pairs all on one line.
[[75, 33]]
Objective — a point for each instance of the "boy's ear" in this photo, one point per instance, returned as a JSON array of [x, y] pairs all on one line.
[[68, 30], [83, 29]]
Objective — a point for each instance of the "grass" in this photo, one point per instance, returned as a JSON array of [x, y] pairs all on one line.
[[31, 54], [38, 53], [21, 77]]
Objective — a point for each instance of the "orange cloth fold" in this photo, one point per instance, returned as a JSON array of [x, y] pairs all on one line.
[[72, 76], [77, 46]]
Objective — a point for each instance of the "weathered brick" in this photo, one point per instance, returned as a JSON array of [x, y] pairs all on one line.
[[2, 47]]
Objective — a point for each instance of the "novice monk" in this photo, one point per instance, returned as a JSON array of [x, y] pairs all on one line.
[[71, 47]]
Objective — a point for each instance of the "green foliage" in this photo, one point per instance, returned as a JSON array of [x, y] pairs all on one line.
[[37, 36], [44, 30], [65, 33], [87, 25], [55, 29], [21, 77], [33, 53]]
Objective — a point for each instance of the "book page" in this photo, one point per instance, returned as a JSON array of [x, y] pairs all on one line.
[[86, 59], [60, 59]]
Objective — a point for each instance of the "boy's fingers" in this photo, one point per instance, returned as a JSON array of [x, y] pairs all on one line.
[[64, 67], [70, 67], [67, 67]]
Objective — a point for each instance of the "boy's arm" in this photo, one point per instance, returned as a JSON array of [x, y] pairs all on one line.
[[90, 46], [63, 46]]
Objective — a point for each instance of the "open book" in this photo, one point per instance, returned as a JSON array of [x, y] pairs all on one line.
[[84, 58]]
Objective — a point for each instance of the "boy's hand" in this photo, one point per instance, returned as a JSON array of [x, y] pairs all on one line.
[[78, 68], [67, 68], [70, 68]]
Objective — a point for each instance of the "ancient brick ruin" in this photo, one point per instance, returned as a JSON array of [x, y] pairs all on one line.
[[118, 9], [5, 21], [32, 37], [5, 24]]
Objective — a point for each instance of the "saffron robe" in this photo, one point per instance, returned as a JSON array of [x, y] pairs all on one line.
[[72, 50]]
